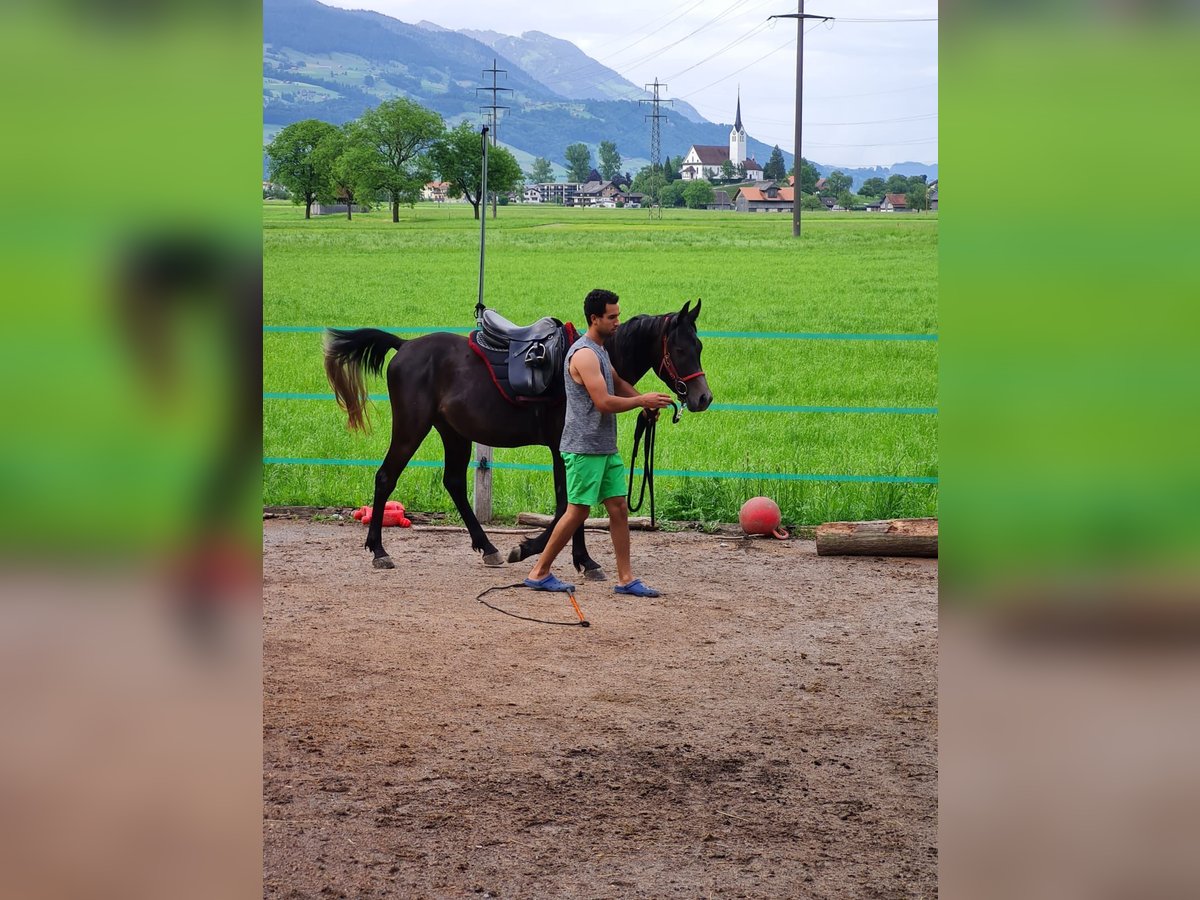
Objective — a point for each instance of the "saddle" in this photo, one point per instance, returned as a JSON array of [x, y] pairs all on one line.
[[525, 362]]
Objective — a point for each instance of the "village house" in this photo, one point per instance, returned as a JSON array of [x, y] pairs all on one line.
[[766, 196], [330, 209], [559, 192], [599, 192], [435, 191], [894, 203], [706, 160]]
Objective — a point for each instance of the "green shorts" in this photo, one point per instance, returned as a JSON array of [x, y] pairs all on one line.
[[593, 477]]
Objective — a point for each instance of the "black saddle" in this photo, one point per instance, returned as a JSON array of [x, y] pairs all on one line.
[[529, 357]]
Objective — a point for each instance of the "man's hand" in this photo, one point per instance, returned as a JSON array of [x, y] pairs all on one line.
[[654, 401]]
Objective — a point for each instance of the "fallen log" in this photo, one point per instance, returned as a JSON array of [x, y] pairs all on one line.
[[889, 537], [641, 523]]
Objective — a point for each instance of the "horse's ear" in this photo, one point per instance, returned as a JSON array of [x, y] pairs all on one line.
[[696, 311], [683, 312]]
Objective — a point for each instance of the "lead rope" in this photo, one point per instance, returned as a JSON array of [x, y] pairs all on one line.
[[650, 427]]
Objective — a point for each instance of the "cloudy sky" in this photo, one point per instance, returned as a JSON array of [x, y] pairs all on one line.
[[870, 86]]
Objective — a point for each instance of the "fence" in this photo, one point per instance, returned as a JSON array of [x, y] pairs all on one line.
[[738, 335]]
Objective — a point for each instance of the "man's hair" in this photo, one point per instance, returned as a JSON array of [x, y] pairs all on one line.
[[595, 303]]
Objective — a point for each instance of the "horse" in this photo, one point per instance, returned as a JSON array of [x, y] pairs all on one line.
[[437, 381]]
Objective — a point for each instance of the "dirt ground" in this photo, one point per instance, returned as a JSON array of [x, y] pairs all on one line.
[[767, 728]]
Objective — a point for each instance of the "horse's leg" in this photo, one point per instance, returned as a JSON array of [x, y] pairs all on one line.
[[405, 441], [533, 546], [454, 478]]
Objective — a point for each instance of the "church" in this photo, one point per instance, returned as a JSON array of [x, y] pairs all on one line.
[[705, 160]]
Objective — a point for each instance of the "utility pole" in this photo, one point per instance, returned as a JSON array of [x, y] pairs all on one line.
[[799, 16], [655, 142], [494, 89]]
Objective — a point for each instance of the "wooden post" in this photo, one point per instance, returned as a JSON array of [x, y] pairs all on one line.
[[483, 483]]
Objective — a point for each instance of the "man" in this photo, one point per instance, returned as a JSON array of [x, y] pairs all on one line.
[[595, 473]]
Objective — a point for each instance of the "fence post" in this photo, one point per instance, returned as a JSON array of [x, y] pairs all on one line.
[[483, 483]]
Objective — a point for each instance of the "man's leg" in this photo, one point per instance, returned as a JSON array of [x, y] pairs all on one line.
[[571, 519], [618, 528]]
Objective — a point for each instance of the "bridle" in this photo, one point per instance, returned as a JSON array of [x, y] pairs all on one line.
[[666, 369]]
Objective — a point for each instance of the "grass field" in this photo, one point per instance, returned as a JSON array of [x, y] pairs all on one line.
[[850, 274]]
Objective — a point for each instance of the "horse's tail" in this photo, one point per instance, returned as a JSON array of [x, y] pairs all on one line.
[[347, 355]]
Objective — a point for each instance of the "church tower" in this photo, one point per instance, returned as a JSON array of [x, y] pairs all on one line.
[[737, 136]]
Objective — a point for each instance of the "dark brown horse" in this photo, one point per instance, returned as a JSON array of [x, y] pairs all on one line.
[[436, 381]]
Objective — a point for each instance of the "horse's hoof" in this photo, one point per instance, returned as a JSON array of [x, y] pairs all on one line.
[[493, 560], [514, 555], [383, 562], [596, 574]]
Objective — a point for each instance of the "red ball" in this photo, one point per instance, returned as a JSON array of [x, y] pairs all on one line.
[[759, 515]]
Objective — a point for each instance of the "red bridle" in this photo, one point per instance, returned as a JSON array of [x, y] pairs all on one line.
[[668, 365]]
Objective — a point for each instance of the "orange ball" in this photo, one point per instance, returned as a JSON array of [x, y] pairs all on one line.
[[759, 515]]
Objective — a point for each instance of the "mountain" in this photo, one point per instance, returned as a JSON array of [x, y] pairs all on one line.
[[326, 63], [861, 174], [565, 69]]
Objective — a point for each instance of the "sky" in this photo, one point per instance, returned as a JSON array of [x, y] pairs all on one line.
[[870, 87]]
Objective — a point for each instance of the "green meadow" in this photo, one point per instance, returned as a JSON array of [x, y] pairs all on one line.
[[850, 274]]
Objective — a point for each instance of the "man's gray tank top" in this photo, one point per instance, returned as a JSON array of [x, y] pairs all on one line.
[[587, 430]]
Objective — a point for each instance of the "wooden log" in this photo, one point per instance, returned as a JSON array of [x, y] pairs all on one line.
[[641, 523], [890, 537]]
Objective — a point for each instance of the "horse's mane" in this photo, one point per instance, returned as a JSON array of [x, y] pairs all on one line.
[[639, 328]]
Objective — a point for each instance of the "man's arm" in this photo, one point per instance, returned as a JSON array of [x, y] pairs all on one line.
[[586, 365], [621, 387]]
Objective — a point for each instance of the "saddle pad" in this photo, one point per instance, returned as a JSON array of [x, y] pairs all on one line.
[[497, 366]]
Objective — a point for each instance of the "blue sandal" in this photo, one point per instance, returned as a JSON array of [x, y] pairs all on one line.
[[636, 588], [550, 583]]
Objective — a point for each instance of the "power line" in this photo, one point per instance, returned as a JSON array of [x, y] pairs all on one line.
[[932, 140], [649, 34], [708, 24], [753, 31], [771, 53]]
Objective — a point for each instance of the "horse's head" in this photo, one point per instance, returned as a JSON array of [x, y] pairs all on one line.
[[680, 367]]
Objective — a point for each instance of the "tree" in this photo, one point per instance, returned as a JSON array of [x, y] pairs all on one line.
[[541, 173], [610, 160], [845, 199], [698, 194], [648, 181], [775, 169], [837, 182], [579, 163], [671, 194], [874, 188], [811, 201], [896, 184], [671, 168], [728, 172], [401, 132], [808, 176], [917, 194], [294, 162], [353, 167], [458, 159]]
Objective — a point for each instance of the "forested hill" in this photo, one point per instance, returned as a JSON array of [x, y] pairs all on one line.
[[331, 64], [326, 63]]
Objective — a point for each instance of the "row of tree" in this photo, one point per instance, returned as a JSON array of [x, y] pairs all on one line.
[[388, 154]]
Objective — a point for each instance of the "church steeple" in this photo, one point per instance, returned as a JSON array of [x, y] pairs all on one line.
[[737, 135]]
